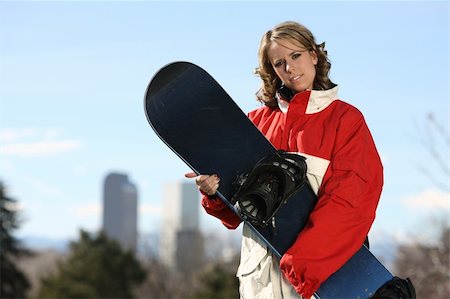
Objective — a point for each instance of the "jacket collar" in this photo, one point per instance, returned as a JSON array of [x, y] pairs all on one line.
[[312, 101]]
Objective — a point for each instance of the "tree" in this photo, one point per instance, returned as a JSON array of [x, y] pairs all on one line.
[[216, 280], [96, 267], [427, 265], [435, 139], [13, 282], [219, 281], [163, 283]]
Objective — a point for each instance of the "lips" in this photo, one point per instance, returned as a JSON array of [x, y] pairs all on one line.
[[294, 78]]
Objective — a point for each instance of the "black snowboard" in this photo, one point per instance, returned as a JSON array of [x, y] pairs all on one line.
[[200, 123]]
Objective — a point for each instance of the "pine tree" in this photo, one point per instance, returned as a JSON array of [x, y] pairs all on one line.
[[13, 282], [218, 281], [96, 267]]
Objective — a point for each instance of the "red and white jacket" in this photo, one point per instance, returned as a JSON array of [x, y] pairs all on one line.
[[346, 173]]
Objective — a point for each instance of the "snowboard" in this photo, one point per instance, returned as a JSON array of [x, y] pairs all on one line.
[[196, 118]]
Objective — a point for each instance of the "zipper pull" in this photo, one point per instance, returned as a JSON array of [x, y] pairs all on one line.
[[274, 226]]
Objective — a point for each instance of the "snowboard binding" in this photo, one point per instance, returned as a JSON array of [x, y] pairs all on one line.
[[396, 288], [271, 182]]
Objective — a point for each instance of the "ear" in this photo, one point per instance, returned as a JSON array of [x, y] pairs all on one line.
[[315, 58]]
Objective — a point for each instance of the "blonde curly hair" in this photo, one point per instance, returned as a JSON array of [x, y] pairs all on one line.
[[298, 35]]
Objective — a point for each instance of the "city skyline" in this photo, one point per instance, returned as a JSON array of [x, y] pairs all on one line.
[[120, 214], [181, 242]]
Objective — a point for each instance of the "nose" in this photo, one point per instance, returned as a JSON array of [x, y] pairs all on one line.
[[288, 67]]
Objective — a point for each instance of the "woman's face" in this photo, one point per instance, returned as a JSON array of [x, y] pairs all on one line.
[[294, 65]]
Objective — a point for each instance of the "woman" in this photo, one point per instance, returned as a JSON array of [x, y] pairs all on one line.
[[302, 114]]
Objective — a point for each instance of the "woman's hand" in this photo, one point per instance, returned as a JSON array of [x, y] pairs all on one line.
[[205, 183]]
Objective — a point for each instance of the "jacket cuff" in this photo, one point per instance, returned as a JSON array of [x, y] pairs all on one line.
[[211, 202], [303, 287]]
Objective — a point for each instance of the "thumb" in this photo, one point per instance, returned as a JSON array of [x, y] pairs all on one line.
[[190, 175]]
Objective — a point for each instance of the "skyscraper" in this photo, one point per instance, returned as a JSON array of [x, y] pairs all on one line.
[[181, 246], [120, 210]]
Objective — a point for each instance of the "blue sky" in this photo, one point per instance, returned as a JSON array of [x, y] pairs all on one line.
[[73, 77]]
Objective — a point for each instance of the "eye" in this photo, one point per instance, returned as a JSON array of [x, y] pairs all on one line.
[[278, 64], [296, 55]]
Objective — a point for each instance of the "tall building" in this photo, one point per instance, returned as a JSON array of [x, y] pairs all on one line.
[[181, 244], [120, 210]]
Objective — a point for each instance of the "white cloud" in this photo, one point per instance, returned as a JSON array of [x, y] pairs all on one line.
[[40, 148], [430, 199], [14, 206], [30, 142], [9, 135]]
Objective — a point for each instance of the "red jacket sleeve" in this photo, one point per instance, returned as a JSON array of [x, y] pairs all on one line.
[[217, 208], [345, 211]]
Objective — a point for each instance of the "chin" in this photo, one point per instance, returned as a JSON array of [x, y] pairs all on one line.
[[297, 90]]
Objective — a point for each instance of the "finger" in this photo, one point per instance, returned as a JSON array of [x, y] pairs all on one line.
[[214, 189], [208, 182], [211, 185], [190, 175], [202, 179], [210, 190], [199, 179], [212, 179]]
